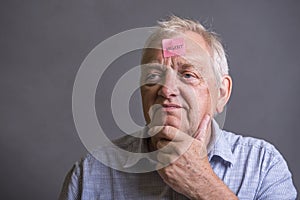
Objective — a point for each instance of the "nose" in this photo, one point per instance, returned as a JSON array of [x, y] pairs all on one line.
[[169, 87]]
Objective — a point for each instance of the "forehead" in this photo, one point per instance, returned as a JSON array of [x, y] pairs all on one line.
[[194, 40], [196, 49]]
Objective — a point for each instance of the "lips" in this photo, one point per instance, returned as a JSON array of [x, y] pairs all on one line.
[[166, 107], [170, 105]]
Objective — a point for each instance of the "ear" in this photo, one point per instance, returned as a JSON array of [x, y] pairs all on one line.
[[224, 93]]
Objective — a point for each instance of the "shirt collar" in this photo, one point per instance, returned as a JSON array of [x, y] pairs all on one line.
[[218, 146]]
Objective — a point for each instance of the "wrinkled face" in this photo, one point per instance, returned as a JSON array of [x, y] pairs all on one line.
[[178, 91]]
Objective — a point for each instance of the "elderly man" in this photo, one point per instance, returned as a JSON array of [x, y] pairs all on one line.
[[184, 84]]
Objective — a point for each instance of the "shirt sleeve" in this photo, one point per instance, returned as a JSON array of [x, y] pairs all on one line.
[[277, 183], [72, 186]]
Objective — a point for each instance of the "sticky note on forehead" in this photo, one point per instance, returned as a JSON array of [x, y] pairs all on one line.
[[173, 47]]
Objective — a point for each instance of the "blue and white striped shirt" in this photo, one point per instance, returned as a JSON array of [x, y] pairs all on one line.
[[251, 168]]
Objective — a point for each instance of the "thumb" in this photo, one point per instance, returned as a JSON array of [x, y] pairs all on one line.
[[202, 134]]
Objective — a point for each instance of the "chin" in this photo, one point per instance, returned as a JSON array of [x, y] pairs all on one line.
[[173, 123], [165, 122]]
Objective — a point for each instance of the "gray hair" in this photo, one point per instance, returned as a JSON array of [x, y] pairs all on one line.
[[176, 24]]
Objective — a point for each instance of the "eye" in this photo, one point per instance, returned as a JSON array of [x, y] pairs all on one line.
[[189, 75], [152, 78]]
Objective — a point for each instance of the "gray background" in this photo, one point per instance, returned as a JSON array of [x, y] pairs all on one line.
[[43, 43]]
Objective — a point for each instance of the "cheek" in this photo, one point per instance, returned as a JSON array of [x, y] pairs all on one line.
[[148, 99], [201, 101], [148, 95]]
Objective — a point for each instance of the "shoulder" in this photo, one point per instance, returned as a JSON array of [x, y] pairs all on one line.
[[261, 162], [253, 151], [237, 141]]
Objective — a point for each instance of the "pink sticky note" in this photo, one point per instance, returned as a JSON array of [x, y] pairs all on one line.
[[173, 47]]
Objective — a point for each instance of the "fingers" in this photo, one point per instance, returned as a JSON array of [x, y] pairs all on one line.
[[166, 158], [203, 129], [174, 134], [172, 147], [163, 143], [172, 143]]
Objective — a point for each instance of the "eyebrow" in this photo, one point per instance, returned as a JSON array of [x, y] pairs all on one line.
[[182, 64], [186, 65], [153, 65]]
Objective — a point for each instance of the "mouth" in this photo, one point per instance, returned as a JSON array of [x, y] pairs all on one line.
[[170, 107], [165, 107]]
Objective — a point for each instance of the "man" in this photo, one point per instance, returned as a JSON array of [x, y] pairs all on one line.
[[184, 84]]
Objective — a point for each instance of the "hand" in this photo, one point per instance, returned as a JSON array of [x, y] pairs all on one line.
[[188, 171]]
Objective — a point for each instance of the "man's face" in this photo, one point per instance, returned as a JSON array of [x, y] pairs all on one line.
[[178, 91]]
